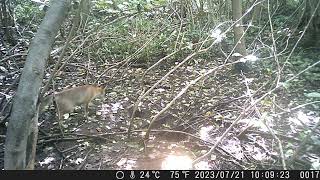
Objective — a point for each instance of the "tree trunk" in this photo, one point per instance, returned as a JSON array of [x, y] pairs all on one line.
[[6, 21], [85, 6], [183, 8], [22, 129], [257, 13], [312, 37], [238, 33]]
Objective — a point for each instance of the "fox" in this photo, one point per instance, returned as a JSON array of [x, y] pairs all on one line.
[[66, 100]]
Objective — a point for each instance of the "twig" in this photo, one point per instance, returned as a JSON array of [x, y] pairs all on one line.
[[61, 140], [14, 55], [279, 142], [297, 107], [9, 89], [69, 149], [263, 120], [274, 49], [100, 136], [8, 114], [281, 136], [85, 160]]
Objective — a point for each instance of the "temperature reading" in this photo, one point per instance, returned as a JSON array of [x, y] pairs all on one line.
[[156, 174], [149, 174], [186, 174], [177, 174], [144, 175]]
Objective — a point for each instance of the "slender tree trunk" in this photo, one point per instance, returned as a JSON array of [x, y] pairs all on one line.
[[238, 33], [183, 8], [256, 13], [6, 21], [85, 6], [312, 37], [22, 132]]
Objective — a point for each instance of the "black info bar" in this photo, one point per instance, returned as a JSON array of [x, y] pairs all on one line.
[[164, 174]]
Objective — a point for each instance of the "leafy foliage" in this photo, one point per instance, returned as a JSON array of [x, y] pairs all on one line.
[[27, 12]]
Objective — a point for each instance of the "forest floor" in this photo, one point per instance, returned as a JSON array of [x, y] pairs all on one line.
[[205, 111]]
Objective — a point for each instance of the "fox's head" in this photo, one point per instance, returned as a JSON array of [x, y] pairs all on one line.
[[100, 91]]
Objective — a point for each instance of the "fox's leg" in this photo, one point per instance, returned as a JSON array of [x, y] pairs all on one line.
[[61, 126], [60, 116], [86, 106]]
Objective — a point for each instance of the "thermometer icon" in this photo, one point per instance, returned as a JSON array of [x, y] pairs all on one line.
[[132, 176]]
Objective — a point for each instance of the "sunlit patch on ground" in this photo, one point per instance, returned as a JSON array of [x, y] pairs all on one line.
[[302, 118], [203, 165], [165, 155], [172, 162], [255, 122], [205, 132]]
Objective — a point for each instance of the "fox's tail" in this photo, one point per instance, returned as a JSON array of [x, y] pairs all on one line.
[[48, 100]]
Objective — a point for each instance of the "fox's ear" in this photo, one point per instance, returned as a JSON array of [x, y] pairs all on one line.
[[104, 88]]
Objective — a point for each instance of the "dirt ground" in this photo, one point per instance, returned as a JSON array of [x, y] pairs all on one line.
[[101, 141]]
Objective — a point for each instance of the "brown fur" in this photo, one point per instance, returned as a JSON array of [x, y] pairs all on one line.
[[68, 99]]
